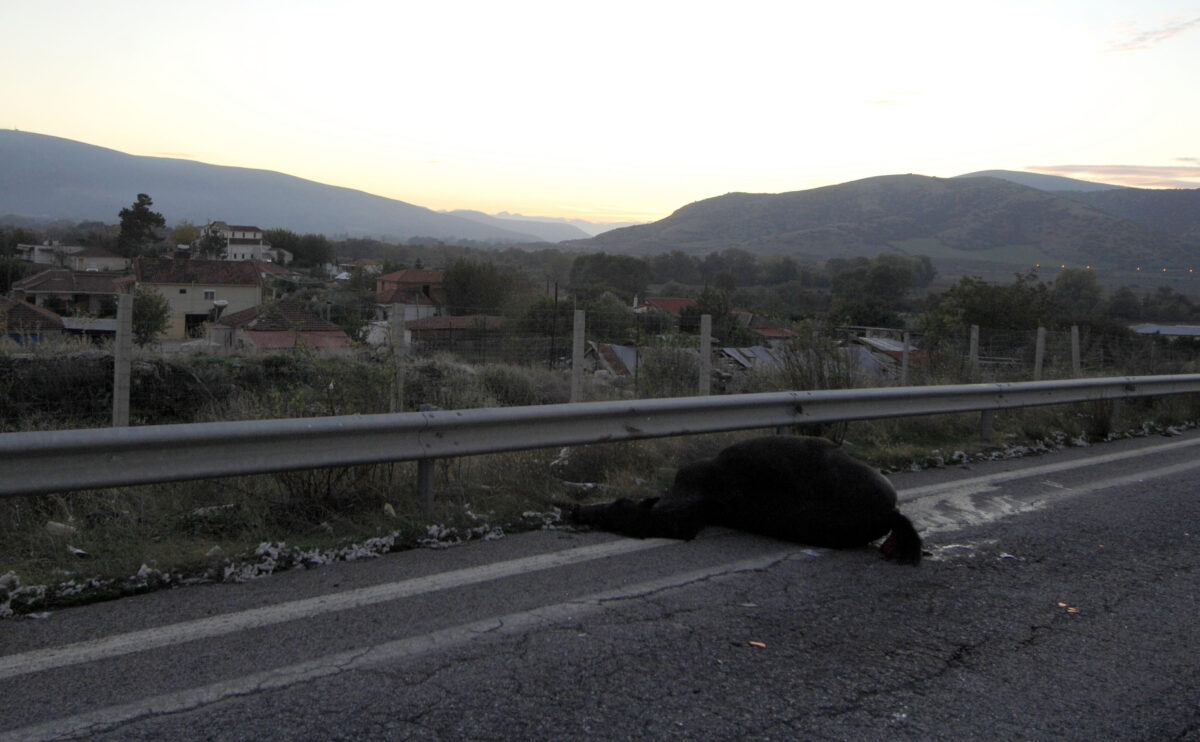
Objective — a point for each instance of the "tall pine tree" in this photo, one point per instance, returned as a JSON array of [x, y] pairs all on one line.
[[138, 223]]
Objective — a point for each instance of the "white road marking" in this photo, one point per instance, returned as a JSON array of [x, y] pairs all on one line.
[[985, 481], [959, 507], [137, 641], [107, 718]]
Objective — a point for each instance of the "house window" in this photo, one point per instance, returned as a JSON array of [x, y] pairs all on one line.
[[210, 294]]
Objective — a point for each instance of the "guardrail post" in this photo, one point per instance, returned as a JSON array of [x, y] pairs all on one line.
[[122, 359], [577, 357], [1039, 354], [986, 420], [705, 354], [425, 483], [904, 360]]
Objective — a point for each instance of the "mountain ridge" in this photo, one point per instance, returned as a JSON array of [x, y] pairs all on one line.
[[980, 221], [48, 177], [994, 219]]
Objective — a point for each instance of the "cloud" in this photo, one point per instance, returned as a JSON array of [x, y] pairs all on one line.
[[1137, 176], [1135, 39]]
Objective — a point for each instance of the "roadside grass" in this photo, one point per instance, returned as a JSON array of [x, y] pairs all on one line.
[[141, 538]]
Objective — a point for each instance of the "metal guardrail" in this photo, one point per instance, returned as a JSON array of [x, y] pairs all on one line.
[[65, 460]]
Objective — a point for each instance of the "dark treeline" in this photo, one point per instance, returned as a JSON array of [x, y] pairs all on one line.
[[888, 289]]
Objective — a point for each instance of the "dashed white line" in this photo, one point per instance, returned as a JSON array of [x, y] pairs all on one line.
[[137, 641], [107, 718]]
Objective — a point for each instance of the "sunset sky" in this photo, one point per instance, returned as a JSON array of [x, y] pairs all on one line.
[[619, 110]]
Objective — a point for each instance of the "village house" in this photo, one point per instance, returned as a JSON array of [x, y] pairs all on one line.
[[25, 323], [97, 259], [243, 242], [617, 360], [460, 334], [673, 306], [75, 257], [199, 291], [68, 292], [286, 324], [765, 329], [410, 294], [50, 254], [369, 266]]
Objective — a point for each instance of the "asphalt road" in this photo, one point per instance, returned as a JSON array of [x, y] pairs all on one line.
[[1058, 601]]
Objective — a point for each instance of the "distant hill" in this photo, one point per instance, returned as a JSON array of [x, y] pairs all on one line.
[[53, 178], [1173, 211], [590, 228], [550, 231], [964, 224], [1043, 182]]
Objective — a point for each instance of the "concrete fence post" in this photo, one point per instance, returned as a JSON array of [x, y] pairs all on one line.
[[577, 357], [122, 360], [973, 351], [1039, 354], [399, 353], [705, 355], [1076, 365]]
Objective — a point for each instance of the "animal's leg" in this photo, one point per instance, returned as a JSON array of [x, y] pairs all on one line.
[[648, 518]]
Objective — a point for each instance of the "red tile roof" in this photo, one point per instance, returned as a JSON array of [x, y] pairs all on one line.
[[404, 295], [413, 275], [670, 305], [18, 315], [284, 316], [774, 332], [67, 281], [218, 272]]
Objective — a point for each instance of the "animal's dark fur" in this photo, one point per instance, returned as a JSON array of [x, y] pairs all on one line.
[[799, 489]]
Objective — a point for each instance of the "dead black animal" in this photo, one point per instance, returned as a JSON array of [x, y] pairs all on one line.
[[799, 489]]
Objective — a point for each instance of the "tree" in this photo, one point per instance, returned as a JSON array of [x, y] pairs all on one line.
[[675, 266], [609, 319], [1076, 297], [473, 287], [594, 274], [1021, 305], [138, 223], [312, 250], [285, 239], [1125, 305], [211, 246], [778, 269], [151, 316], [184, 233]]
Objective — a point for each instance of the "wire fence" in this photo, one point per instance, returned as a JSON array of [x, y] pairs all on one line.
[[535, 358], [1006, 355]]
